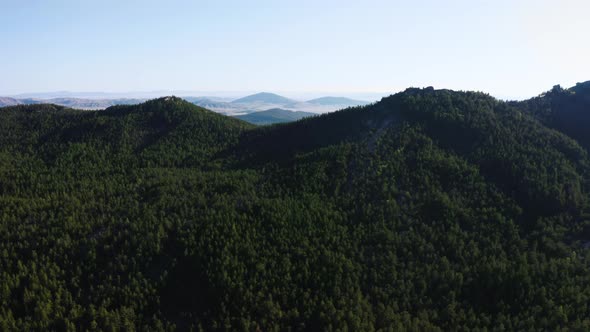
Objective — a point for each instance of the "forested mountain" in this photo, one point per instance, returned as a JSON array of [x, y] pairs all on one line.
[[429, 210], [275, 115]]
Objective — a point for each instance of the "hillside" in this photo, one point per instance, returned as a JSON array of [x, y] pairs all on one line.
[[429, 210], [275, 115], [139, 134]]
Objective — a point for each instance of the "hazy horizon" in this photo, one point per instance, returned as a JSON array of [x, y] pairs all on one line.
[[296, 95], [511, 50], [231, 95]]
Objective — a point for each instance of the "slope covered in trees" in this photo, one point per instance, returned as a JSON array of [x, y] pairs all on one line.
[[429, 210]]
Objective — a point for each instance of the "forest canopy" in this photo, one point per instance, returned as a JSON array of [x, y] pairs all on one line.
[[429, 210]]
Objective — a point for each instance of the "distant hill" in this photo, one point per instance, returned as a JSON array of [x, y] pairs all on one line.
[[216, 105], [204, 102], [275, 115], [339, 101], [264, 97], [264, 101], [7, 101]]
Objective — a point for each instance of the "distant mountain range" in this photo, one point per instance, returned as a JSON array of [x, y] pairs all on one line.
[[275, 115], [266, 101], [290, 109], [79, 103]]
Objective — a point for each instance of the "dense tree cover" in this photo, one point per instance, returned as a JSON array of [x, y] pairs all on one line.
[[429, 210], [566, 110]]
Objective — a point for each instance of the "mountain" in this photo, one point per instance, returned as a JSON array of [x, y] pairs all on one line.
[[338, 101], [275, 115], [264, 97], [429, 210]]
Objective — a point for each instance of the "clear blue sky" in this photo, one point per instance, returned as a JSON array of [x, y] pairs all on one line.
[[514, 48]]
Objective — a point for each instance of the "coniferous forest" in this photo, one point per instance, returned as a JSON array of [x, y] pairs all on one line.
[[430, 210]]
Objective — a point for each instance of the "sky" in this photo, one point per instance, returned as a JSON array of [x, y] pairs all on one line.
[[510, 49]]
